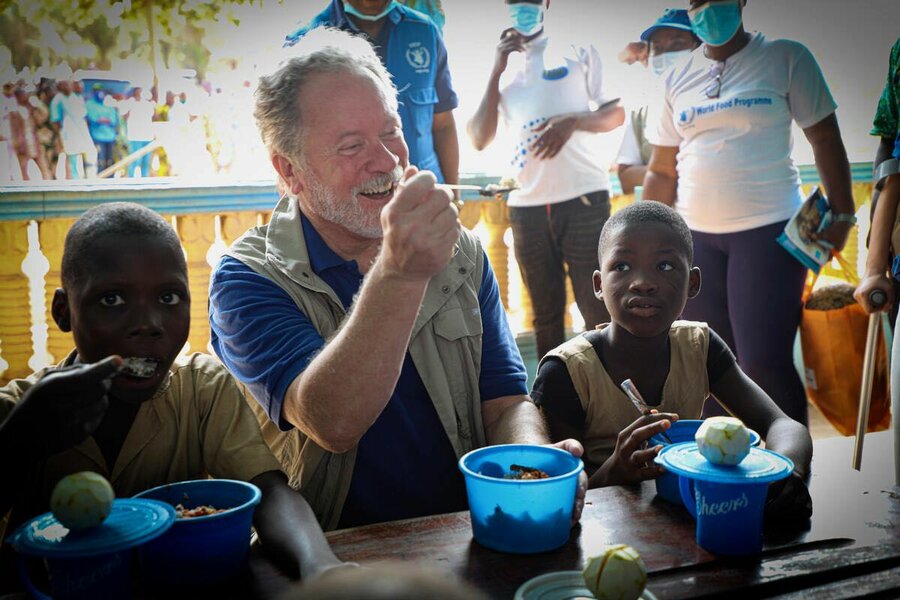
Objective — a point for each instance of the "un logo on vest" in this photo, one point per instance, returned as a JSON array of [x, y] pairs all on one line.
[[418, 56], [687, 116]]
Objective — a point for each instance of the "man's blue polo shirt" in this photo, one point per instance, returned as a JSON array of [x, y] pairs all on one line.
[[405, 465], [411, 48]]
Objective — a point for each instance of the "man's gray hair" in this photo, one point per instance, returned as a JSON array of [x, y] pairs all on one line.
[[322, 50]]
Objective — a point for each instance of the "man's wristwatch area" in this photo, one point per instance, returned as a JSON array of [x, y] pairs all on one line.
[[843, 218]]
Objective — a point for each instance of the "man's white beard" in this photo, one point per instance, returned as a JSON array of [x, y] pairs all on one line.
[[349, 214]]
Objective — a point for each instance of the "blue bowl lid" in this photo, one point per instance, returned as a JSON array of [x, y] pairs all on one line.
[[759, 466], [131, 522]]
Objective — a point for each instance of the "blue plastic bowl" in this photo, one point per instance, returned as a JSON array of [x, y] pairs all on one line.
[[521, 517], [201, 551], [682, 431]]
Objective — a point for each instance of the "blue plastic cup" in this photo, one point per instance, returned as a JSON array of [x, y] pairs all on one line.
[[105, 576], [729, 516], [682, 430], [94, 563], [728, 501], [516, 516], [201, 551]]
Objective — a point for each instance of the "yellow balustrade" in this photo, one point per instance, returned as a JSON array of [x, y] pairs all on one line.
[[495, 216], [15, 315], [235, 224], [52, 234], [198, 232]]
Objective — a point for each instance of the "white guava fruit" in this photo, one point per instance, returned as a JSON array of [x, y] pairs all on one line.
[[616, 574], [81, 500], [723, 440]]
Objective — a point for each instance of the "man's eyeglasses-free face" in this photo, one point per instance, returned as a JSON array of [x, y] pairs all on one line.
[[715, 86]]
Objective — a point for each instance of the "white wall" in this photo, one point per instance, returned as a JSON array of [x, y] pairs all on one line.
[[851, 40]]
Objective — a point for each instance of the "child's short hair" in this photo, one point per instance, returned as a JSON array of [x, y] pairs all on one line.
[[114, 219], [647, 211]]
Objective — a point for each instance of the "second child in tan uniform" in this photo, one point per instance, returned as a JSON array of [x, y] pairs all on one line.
[[645, 279]]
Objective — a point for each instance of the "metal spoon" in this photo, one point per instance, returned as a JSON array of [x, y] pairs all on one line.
[[635, 396]]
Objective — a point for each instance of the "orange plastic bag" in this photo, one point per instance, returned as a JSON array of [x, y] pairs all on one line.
[[833, 343]]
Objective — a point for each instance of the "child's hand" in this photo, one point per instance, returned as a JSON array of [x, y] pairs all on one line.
[[63, 408], [632, 461], [789, 500]]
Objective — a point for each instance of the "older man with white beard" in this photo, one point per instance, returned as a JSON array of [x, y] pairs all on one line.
[[363, 319]]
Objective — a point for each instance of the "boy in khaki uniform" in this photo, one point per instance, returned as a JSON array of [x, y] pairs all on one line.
[[122, 405], [645, 279]]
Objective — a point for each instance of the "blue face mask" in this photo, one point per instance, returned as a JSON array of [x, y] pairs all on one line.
[[350, 10], [526, 17], [716, 22], [659, 63]]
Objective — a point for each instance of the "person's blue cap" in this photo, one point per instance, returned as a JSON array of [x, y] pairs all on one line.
[[675, 18]]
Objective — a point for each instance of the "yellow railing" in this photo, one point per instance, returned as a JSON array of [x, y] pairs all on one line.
[[31, 251]]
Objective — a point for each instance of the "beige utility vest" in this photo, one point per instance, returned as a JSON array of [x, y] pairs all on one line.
[[608, 410], [445, 347]]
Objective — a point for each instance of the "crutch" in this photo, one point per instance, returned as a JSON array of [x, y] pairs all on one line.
[[877, 299]]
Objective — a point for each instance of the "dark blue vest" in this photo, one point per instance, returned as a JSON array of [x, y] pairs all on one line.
[[411, 55]]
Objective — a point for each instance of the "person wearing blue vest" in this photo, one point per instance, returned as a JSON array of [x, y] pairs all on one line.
[[411, 48], [102, 122]]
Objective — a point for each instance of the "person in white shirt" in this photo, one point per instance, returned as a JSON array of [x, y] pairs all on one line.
[[722, 158], [662, 45], [138, 113], [563, 199], [69, 114]]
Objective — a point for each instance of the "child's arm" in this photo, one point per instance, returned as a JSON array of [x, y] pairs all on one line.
[[60, 410], [555, 393], [288, 529], [788, 499]]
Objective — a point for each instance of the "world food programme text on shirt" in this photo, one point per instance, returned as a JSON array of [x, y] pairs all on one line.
[[734, 162], [545, 87]]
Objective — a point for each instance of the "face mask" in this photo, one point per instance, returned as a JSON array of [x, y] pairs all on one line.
[[526, 18], [659, 63], [716, 22], [350, 10]]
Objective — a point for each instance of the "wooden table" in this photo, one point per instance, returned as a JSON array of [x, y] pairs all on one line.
[[850, 547]]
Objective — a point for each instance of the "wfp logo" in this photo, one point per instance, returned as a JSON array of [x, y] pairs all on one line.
[[418, 57], [687, 116]]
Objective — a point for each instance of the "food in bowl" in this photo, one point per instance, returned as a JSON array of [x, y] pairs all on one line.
[[203, 510], [723, 440], [82, 500], [618, 573], [201, 551], [520, 472]]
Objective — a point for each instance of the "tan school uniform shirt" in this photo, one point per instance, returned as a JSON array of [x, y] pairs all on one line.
[[199, 425], [608, 410]]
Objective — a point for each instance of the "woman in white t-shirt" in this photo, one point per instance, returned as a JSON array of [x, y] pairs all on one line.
[[722, 158]]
